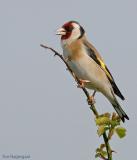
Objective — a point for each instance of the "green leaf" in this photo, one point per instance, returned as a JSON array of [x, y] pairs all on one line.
[[114, 123], [106, 115], [98, 150], [114, 116], [101, 130], [102, 121], [102, 146], [97, 155], [121, 132], [103, 153]]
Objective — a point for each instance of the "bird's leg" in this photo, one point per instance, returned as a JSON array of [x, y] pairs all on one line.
[[82, 83], [91, 99]]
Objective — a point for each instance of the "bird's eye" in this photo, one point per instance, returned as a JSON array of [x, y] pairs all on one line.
[[68, 28]]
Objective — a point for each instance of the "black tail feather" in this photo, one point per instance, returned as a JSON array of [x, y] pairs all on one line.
[[120, 111], [117, 91]]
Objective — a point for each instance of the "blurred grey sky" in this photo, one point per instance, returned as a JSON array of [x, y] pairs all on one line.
[[42, 113]]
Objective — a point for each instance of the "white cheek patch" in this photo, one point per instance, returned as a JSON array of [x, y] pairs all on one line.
[[75, 33], [76, 26]]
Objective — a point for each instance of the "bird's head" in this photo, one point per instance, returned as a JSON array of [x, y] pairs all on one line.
[[70, 31]]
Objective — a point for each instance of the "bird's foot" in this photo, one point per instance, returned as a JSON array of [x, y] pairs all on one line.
[[91, 100], [81, 83]]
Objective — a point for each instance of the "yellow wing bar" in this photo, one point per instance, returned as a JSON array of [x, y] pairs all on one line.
[[103, 66]]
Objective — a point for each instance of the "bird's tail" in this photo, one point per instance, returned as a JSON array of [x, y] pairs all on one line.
[[120, 111]]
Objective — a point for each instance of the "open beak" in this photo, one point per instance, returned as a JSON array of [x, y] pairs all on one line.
[[61, 32]]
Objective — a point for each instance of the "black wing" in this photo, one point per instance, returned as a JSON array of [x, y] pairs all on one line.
[[92, 53]]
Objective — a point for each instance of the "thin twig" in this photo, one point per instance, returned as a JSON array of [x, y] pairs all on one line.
[[92, 106], [109, 152]]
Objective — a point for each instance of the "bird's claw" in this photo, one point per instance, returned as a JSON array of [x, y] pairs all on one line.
[[81, 84], [91, 100]]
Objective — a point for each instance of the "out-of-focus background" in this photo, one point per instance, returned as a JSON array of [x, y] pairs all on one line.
[[42, 113]]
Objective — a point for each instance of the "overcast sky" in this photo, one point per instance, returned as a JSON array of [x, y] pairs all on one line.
[[42, 113]]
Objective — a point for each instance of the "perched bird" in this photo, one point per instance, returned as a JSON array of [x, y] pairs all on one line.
[[87, 64]]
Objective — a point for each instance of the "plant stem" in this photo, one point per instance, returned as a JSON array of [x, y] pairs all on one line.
[[92, 107], [109, 152], [105, 137]]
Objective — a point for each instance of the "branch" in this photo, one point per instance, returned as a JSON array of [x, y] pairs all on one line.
[[92, 106]]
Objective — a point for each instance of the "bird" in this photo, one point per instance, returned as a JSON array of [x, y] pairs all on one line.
[[88, 65]]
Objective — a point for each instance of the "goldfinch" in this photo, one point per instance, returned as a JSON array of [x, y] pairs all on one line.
[[88, 65]]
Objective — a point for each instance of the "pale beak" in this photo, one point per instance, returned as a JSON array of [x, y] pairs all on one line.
[[61, 32]]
